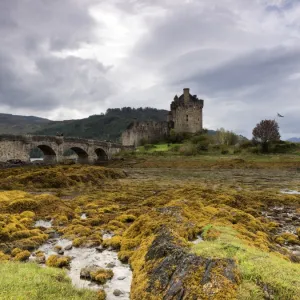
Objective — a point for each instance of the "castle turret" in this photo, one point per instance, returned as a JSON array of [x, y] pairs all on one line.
[[186, 95]]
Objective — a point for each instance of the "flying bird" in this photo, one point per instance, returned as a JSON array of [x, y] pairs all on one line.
[[279, 115]]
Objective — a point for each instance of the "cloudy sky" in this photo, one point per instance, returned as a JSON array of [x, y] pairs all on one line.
[[67, 59]]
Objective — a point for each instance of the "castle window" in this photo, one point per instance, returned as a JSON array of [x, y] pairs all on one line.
[[187, 118]]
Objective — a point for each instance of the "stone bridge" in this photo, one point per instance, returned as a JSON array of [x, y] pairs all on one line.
[[54, 147]]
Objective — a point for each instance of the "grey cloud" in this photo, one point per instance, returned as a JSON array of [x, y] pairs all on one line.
[[55, 82], [262, 67], [31, 77]]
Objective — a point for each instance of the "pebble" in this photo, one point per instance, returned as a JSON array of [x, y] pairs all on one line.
[[121, 278], [118, 293], [69, 247], [111, 265]]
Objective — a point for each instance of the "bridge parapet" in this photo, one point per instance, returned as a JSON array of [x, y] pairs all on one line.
[[54, 147]]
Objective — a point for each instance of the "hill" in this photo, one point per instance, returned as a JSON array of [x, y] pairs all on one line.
[[108, 126], [15, 124]]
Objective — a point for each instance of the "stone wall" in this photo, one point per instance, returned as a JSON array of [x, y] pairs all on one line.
[[53, 148], [148, 131], [185, 116]]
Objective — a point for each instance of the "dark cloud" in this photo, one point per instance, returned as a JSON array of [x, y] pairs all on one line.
[[31, 76], [241, 56]]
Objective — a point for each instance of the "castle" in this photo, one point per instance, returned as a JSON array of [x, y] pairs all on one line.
[[185, 116]]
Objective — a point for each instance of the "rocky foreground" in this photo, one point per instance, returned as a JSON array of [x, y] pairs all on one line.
[[181, 239]]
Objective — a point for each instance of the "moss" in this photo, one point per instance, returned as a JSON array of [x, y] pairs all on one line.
[[114, 242], [101, 295], [4, 257], [22, 256], [298, 232], [27, 214], [58, 261], [287, 238], [102, 275], [18, 206], [124, 255], [4, 234], [127, 218], [116, 224], [16, 251]]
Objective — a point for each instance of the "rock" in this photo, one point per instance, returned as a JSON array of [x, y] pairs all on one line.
[[85, 272], [111, 265], [40, 259], [174, 267], [118, 293], [92, 244], [295, 258], [52, 234], [121, 278], [69, 247], [100, 249]]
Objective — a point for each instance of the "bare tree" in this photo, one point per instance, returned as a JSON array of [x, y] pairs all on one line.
[[265, 132]]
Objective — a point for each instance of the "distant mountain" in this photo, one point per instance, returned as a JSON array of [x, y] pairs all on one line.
[[108, 126], [294, 140], [14, 124]]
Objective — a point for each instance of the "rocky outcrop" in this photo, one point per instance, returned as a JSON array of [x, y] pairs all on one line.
[[178, 274]]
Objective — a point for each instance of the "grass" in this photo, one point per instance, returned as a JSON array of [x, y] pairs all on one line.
[[256, 266], [157, 148], [27, 281]]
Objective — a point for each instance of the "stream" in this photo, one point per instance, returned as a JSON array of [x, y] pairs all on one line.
[[84, 257]]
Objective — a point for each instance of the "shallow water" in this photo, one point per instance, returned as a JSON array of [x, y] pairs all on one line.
[[83, 217], [198, 240], [42, 223], [290, 192], [83, 257]]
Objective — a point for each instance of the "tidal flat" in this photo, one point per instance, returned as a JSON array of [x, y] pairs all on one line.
[[156, 228]]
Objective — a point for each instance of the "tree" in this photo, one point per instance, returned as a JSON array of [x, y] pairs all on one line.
[[265, 132], [224, 137]]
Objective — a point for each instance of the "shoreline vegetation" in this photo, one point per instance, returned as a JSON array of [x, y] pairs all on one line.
[[191, 227]]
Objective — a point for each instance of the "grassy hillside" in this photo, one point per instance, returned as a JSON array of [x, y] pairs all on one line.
[[108, 126], [14, 124]]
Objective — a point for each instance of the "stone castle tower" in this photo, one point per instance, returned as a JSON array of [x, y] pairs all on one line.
[[186, 113], [185, 116]]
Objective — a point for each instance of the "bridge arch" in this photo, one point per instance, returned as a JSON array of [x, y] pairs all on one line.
[[82, 155], [48, 152], [101, 154]]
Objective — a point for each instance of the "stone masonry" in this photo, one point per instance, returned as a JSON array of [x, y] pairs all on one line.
[[185, 116], [54, 147]]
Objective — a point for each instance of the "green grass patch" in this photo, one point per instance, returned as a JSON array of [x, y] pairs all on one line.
[[28, 281], [258, 268], [156, 148]]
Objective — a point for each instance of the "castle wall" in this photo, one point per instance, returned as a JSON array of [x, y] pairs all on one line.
[[187, 118], [147, 131]]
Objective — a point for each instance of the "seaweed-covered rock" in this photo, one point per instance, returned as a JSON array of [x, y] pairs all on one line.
[[96, 274], [178, 274]]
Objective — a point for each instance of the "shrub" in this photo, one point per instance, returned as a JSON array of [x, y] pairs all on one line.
[[148, 147], [224, 151], [188, 149]]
